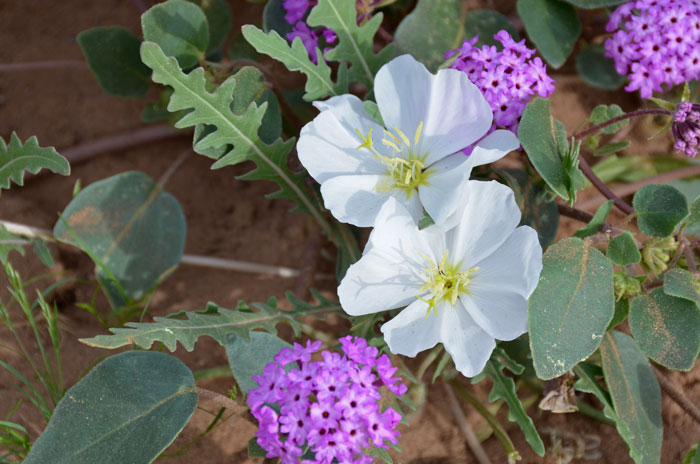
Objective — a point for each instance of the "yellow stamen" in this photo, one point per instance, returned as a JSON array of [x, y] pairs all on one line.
[[418, 131], [366, 141], [445, 282], [403, 136]]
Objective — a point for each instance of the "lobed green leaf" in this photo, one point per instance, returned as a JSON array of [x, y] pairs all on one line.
[[16, 158], [9, 242]]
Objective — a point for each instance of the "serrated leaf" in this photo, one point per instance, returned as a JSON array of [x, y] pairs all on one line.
[[180, 28], [433, 27], [9, 242], [659, 209], [593, 227], [128, 409], [666, 328], [16, 158], [240, 321], [504, 388], [249, 357], [112, 53], [239, 131], [486, 23], [680, 283], [623, 250], [571, 306], [355, 42], [598, 70], [635, 395], [318, 76], [553, 26]]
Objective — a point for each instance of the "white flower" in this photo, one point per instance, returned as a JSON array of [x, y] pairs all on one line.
[[462, 284], [417, 160]]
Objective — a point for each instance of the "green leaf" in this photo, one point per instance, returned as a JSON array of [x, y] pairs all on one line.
[[544, 140], [249, 357], [42, 251], [218, 14], [239, 131], [659, 209], [597, 70], [130, 228], [129, 408], [216, 325], [255, 450], [694, 217], [16, 158], [486, 23], [9, 242], [433, 27], [666, 328], [571, 306], [553, 26], [610, 148], [680, 283], [504, 388], [593, 227], [318, 76], [539, 210], [604, 113], [180, 28], [113, 56], [635, 395], [623, 250], [240, 49], [622, 310], [355, 42], [273, 18], [593, 4]]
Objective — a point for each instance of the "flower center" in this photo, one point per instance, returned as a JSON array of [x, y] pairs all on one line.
[[445, 281], [405, 170]]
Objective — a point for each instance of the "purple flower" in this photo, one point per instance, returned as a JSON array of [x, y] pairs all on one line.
[[686, 128], [507, 78], [330, 407], [655, 43]]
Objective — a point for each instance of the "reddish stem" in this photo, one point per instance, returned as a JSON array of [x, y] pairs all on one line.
[[630, 115]]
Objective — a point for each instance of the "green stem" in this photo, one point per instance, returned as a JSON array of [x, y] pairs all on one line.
[[593, 413], [630, 115], [432, 356], [211, 373]]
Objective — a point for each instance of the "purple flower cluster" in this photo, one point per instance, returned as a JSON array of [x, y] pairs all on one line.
[[329, 406], [655, 42], [507, 78], [296, 12], [686, 128]]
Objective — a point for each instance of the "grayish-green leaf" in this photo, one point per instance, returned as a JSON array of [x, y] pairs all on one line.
[[593, 4], [16, 158], [372, 110], [553, 26], [486, 23], [623, 250], [597, 70], [355, 42], [666, 328], [610, 148], [249, 357], [128, 409], [635, 395], [680, 283], [571, 306], [215, 322], [604, 113], [218, 14], [240, 49], [659, 209], [42, 252], [9, 242], [113, 56], [622, 310], [432, 28], [295, 58], [131, 228], [694, 216], [593, 227], [180, 28]]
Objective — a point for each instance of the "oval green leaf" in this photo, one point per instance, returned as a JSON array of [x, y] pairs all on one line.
[[113, 55], [132, 230], [597, 221], [622, 250], [635, 395], [128, 409], [571, 306], [180, 28], [432, 28], [486, 23], [553, 26], [218, 14], [597, 70], [680, 283], [273, 18], [249, 357], [666, 328], [659, 209]]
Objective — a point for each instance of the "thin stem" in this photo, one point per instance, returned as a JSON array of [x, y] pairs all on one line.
[[593, 413], [689, 257], [583, 216], [602, 188], [218, 398], [50, 64], [630, 115], [165, 177], [676, 395], [473, 443], [432, 356]]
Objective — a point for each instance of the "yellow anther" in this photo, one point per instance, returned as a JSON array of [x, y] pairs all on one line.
[[397, 141], [445, 282], [391, 144], [418, 131], [403, 136], [367, 141]]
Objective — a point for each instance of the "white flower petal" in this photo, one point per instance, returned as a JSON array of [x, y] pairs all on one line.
[[354, 198], [493, 147], [468, 345], [501, 314], [388, 275], [327, 145], [411, 332], [490, 215], [443, 194], [453, 111]]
